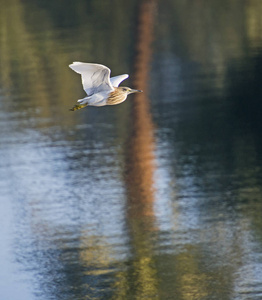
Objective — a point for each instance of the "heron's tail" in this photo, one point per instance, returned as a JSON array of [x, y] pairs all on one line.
[[78, 106]]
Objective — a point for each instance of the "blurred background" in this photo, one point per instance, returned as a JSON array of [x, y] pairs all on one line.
[[156, 198]]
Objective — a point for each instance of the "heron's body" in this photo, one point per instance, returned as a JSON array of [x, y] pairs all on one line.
[[100, 88], [116, 97]]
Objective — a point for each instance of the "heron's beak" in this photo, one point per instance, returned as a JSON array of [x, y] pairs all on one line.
[[135, 91]]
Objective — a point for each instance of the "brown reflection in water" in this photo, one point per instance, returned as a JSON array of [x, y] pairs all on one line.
[[140, 150], [140, 279]]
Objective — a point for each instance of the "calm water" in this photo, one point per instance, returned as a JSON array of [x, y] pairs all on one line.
[[157, 198]]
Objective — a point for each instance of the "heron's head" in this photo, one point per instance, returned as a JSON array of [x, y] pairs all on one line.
[[128, 90]]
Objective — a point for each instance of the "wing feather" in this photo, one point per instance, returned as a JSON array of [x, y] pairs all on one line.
[[95, 77], [116, 80]]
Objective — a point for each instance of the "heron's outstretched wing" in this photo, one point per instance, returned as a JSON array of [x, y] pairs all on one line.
[[116, 80], [95, 77]]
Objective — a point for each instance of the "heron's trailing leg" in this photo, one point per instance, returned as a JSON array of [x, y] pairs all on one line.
[[78, 106]]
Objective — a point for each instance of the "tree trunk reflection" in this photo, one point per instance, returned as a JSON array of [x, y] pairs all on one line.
[[140, 169]]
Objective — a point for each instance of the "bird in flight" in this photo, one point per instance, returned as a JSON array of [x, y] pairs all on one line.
[[100, 88]]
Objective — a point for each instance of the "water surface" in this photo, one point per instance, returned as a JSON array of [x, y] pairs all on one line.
[[156, 198]]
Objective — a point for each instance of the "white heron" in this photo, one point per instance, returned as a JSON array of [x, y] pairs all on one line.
[[100, 88]]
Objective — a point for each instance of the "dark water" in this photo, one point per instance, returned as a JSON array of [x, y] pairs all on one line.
[[157, 198]]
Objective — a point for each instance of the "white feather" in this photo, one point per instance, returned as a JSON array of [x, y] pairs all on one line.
[[116, 80], [95, 77]]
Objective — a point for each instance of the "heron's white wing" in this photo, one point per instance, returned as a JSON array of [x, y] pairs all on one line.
[[95, 77], [116, 80]]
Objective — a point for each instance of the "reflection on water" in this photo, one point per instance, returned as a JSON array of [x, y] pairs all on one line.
[[157, 198]]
